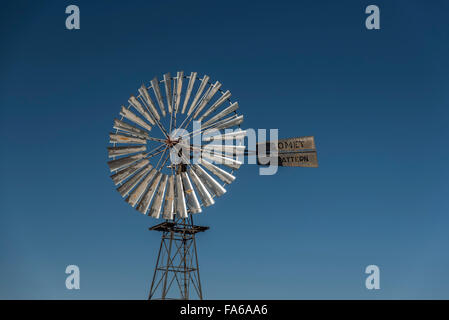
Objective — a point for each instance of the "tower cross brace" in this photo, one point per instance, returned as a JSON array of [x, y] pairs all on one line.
[[177, 275]]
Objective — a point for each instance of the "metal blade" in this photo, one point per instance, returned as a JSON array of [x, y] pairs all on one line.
[[216, 104], [157, 92], [181, 208], [125, 188], [128, 114], [227, 136], [120, 151], [145, 201], [220, 122], [156, 206], [222, 114], [231, 163], [138, 106], [210, 182], [220, 173], [189, 90], [126, 127], [179, 80], [230, 123], [121, 138], [123, 174], [192, 200], [206, 198], [135, 195], [169, 201], [124, 162], [168, 92], [146, 96], [198, 94], [212, 92]]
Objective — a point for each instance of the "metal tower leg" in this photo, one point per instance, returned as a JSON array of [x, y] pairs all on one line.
[[164, 289], [177, 268], [200, 291]]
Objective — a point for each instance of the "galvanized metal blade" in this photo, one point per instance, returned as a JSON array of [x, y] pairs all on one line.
[[128, 114], [222, 124], [126, 127], [145, 201], [169, 201], [205, 101], [215, 105], [140, 188], [156, 206], [157, 92], [124, 162], [208, 181], [179, 80], [138, 106], [220, 173], [219, 123], [189, 90], [121, 138], [206, 198], [146, 96], [237, 135], [125, 188], [192, 201], [229, 123], [203, 84], [123, 174], [222, 114], [121, 151], [168, 91], [229, 162], [181, 208]]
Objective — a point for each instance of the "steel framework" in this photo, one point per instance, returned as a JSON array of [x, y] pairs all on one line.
[[177, 261]]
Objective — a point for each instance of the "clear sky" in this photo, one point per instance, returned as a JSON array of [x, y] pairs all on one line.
[[376, 102]]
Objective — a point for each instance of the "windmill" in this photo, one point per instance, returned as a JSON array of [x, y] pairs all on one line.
[[162, 169]]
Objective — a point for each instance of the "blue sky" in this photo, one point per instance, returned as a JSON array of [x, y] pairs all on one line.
[[376, 102]]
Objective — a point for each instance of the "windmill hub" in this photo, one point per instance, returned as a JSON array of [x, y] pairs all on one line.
[[172, 142]]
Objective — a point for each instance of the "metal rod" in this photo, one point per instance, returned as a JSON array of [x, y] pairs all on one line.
[[164, 292], [155, 271], [197, 265]]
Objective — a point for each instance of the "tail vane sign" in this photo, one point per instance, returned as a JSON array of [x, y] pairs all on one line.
[[291, 152], [293, 144], [298, 159]]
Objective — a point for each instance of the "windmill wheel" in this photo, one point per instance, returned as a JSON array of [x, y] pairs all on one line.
[[159, 163]]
